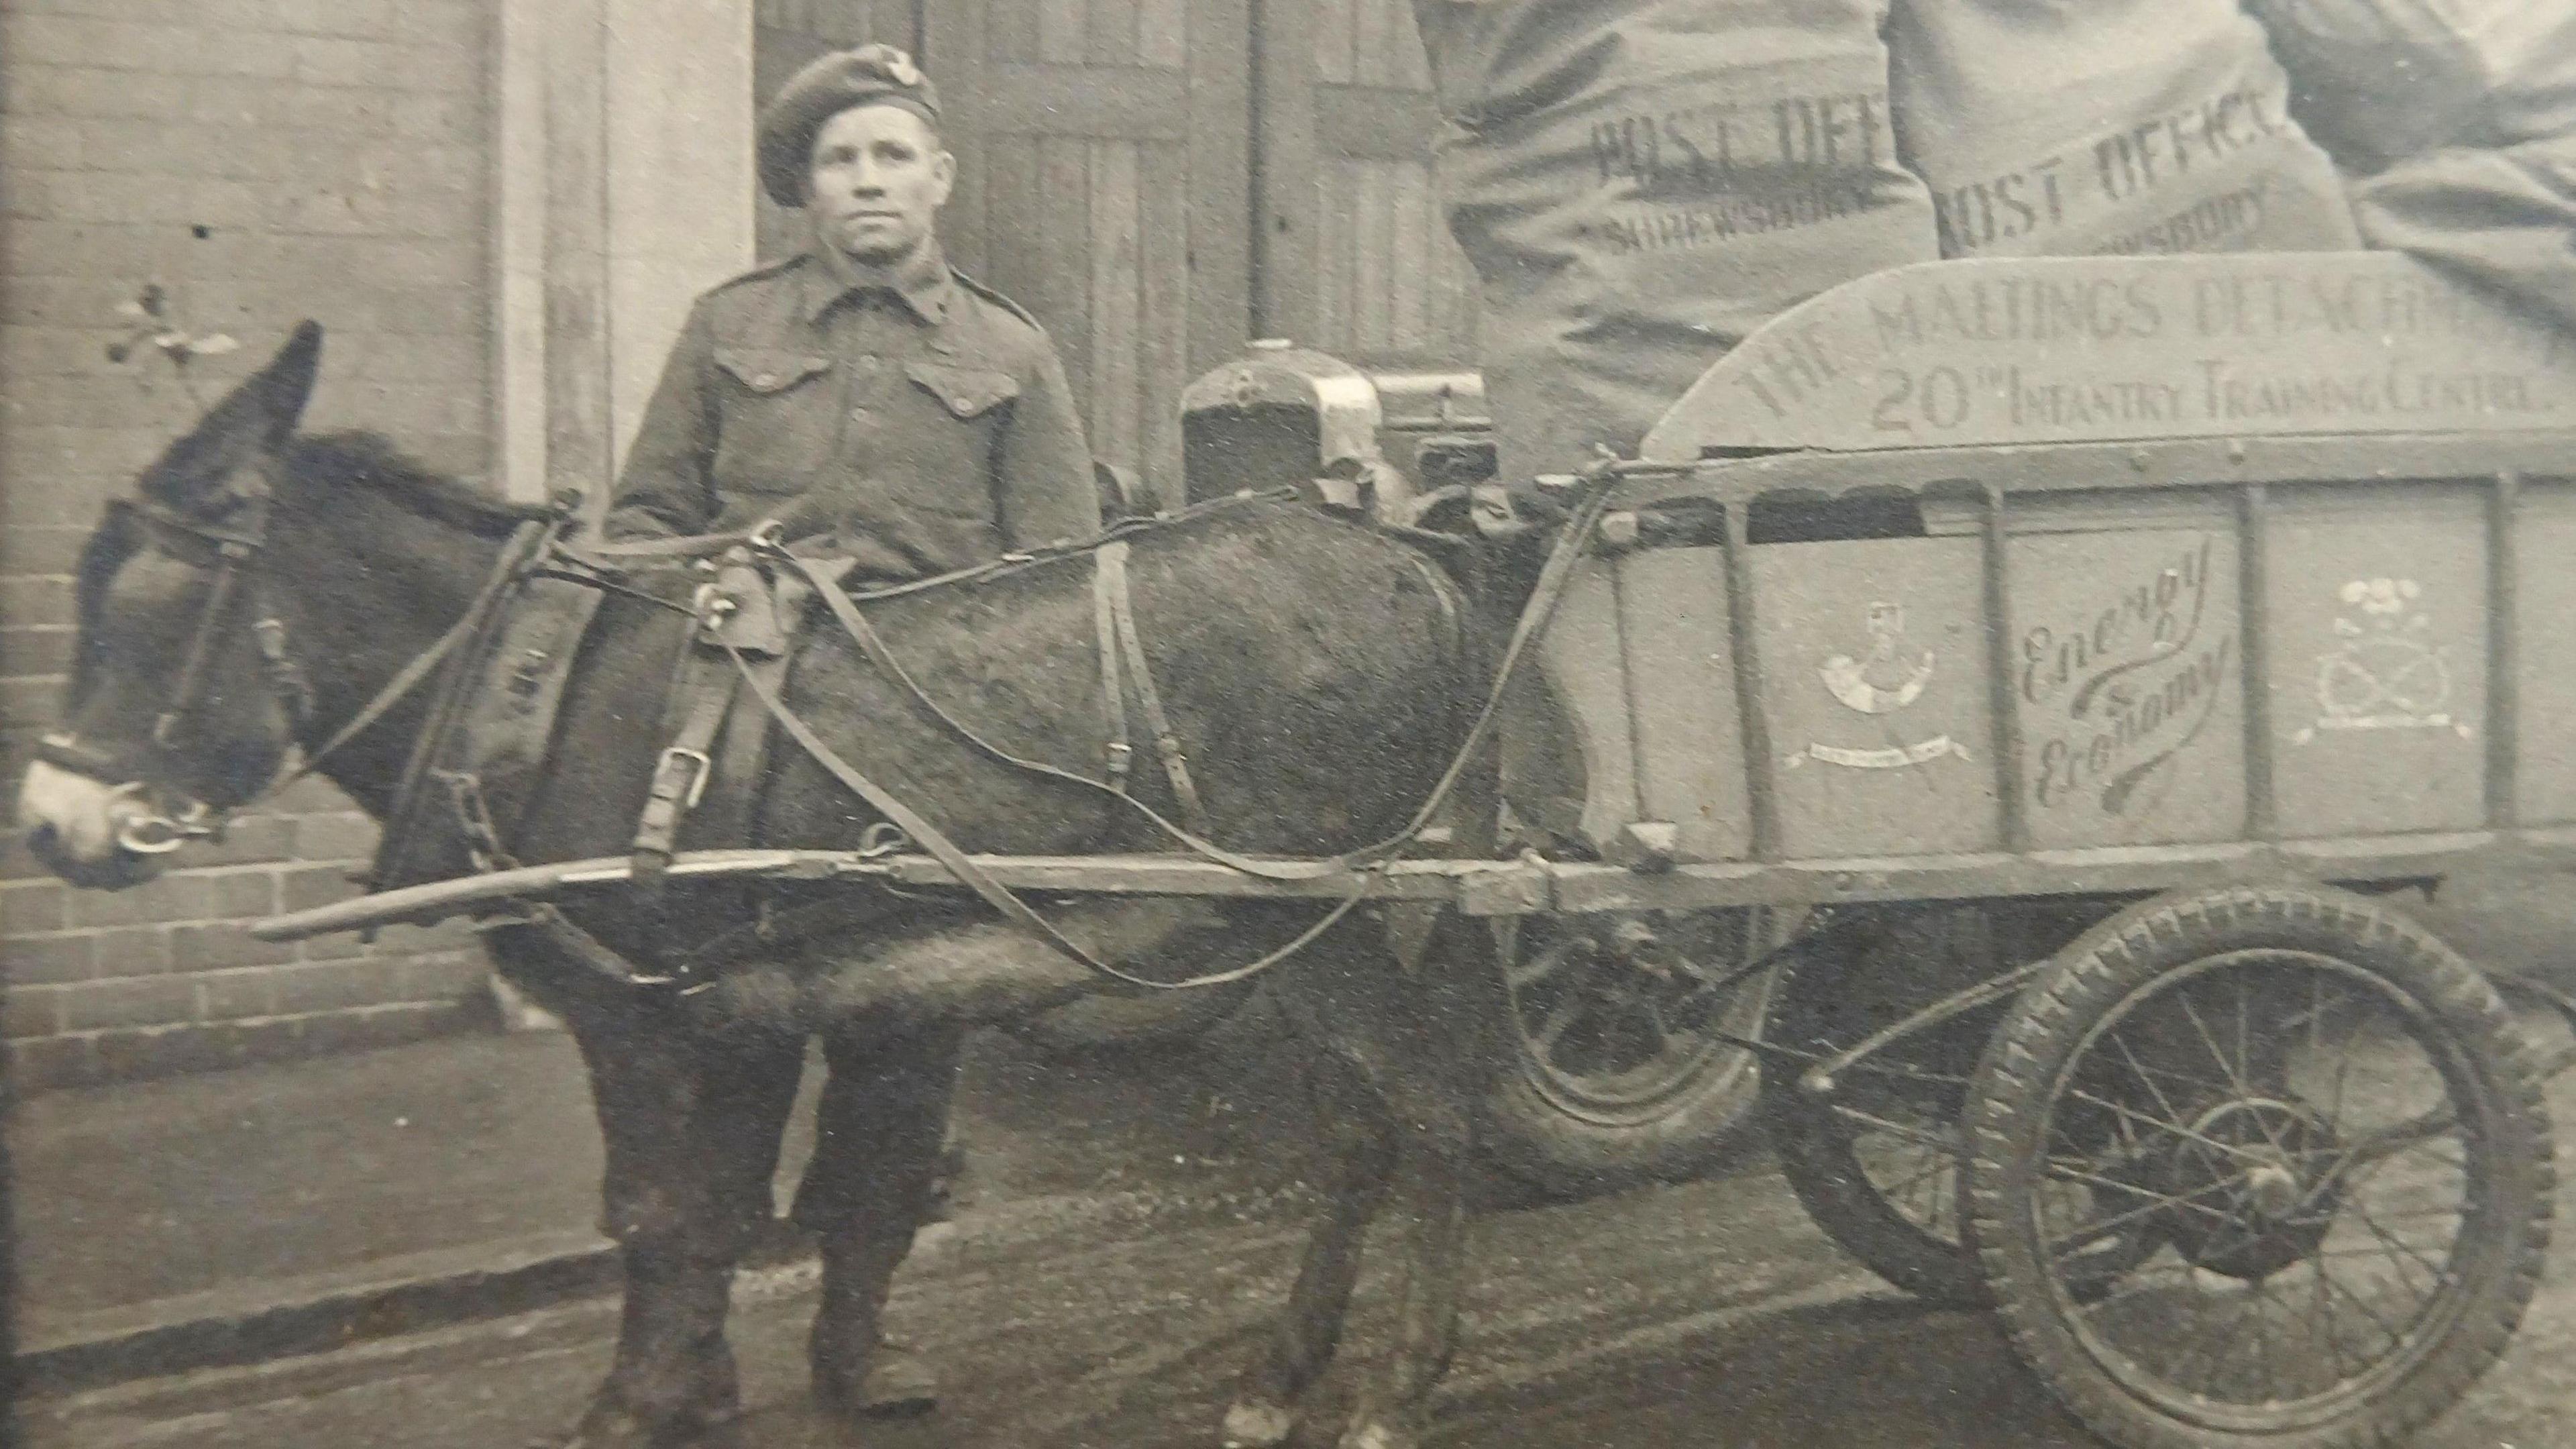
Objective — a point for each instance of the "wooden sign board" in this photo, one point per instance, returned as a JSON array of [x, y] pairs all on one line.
[[2378, 645], [2112, 349], [2127, 669], [1873, 657]]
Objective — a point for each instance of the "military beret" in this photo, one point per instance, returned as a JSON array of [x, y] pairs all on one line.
[[872, 75]]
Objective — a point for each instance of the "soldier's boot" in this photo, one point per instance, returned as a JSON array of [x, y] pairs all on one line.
[[673, 1382], [858, 1371]]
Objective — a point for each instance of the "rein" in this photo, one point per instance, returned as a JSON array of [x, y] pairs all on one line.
[[231, 555]]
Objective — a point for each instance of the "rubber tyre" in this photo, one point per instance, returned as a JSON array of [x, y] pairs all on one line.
[[1815, 1149], [1560, 1152], [2126, 955]]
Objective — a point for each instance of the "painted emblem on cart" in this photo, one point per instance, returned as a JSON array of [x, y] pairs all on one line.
[[1892, 676], [2383, 674]]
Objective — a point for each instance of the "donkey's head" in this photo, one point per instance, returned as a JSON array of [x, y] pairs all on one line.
[[181, 702]]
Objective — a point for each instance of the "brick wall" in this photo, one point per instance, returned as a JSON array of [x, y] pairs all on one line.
[[264, 161]]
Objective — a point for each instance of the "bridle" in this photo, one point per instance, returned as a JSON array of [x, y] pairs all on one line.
[[231, 552]]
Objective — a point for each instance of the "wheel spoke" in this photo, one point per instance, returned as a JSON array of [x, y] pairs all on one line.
[[2093, 1232], [1537, 966], [1663, 1029], [2164, 1104], [1903, 1131], [2400, 1137], [1559, 1018], [2235, 1075], [2068, 1174], [2325, 1320], [2261, 1309], [2440, 1273], [2174, 1129], [2338, 1285]]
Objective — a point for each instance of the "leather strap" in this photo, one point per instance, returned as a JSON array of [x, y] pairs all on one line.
[[550, 925], [465, 649], [1167, 744], [1108, 593], [703, 689]]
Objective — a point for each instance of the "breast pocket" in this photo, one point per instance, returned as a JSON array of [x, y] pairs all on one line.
[[776, 415], [967, 392]]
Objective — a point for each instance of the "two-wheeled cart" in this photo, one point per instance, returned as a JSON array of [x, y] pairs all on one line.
[[2086, 651]]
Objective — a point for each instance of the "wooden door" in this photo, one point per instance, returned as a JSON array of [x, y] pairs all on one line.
[[785, 35], [1356, 258], [1104, 150]]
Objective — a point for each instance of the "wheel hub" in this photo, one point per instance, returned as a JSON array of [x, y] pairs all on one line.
[[1616, 1013], [2252, 1187]]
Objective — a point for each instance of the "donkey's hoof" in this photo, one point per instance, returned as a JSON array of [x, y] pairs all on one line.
[[1258, 1424], [1377, 1434]]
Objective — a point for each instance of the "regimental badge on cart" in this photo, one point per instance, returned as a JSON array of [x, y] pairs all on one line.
[[1891, 676], [2383, 673]]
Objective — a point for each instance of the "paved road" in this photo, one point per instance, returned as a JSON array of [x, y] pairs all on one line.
[[1126, 1231], [1707, 1314]]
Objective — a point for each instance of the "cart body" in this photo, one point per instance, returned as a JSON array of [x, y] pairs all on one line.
[[1990, 578]]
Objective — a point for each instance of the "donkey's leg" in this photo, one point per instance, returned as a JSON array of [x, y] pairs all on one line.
[[1431, 1177], [691, 1122], [1299, 1346], [1430, 1048], [880, 1132]]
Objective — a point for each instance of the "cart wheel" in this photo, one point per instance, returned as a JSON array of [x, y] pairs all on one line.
[[2330, 1131], [1621, 1072], [1876, 1166]]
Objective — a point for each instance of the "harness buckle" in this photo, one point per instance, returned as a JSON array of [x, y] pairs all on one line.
[[699, 767]]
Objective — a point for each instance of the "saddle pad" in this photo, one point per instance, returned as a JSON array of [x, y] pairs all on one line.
[[499, 707]]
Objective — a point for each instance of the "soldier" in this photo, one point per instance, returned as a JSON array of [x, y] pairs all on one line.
[[862, 392], [877, 405]]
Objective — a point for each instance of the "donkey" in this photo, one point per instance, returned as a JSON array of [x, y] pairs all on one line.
[[1314, 667]]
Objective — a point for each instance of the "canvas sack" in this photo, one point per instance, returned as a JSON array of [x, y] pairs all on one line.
[[2381, 80], [2500, 218], [1641, 183], [2089, 127]]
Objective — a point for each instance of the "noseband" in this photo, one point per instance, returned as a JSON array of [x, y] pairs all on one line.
[[231, 555]]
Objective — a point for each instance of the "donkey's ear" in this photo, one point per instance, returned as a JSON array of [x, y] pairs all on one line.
[[257, 416], [286, 384]]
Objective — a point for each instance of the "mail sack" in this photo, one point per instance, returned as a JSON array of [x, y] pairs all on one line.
[[1642, 183], [2118, 127], [2381, 80], [2501, 218]]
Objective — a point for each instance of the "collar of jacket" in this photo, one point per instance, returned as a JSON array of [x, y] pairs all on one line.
[[921, 280]]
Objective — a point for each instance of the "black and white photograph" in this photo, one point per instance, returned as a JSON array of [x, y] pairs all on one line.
[[1287, 724]]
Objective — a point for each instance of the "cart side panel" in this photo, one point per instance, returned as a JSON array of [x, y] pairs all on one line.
[[2128, 671], [2378, 646], [1568, 738], [1689, 735], [2544, 541], [1875, 682]]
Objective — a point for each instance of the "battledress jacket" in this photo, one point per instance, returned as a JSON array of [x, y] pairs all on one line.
[[915, 421]]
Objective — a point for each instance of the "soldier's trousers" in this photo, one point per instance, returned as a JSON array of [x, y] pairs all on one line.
[[692, 1118]]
